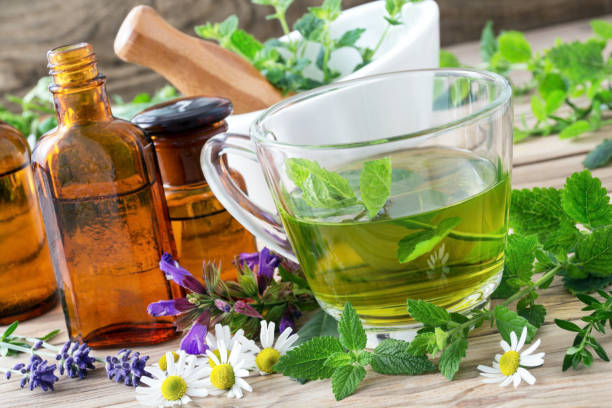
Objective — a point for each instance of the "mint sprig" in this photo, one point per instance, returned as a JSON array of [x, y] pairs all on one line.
[[344, 359], [322, 188], [564, 232]]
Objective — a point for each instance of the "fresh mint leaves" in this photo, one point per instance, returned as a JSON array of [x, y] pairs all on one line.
[[422, 242], [344, 358], [283, 62], [375, 184], [585, 201], [322, 188], [559, 76]]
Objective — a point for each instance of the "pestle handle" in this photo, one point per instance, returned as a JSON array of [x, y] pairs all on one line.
[[193, 66]]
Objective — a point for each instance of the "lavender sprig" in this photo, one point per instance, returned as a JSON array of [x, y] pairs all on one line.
[[76, 361], [126, 367], [38, 373]]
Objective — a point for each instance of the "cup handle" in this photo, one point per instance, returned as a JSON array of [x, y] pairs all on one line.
[[259, 222]]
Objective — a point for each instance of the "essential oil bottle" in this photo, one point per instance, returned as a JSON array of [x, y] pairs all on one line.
[[104, 210], [203, 229], [27, 284]]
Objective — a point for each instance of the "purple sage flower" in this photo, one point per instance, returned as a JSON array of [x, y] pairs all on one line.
[[223, 306], [170, 307], [127, 368], [179, 274], [266, 263], [194, 342], [245, 309], [286, 321], [38, 374]]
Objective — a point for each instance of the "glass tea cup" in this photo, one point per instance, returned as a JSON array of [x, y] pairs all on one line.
[[386, 188]]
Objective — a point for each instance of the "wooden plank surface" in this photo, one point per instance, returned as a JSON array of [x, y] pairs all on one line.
[[539, 162]]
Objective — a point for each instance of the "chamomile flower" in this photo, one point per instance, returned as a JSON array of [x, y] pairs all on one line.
[[271, 352], [176, 385], [226, 373], [509, 367], [223, 335]]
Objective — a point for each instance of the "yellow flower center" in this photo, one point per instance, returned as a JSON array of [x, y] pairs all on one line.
[[222, 376], [163, 364], [266, 359], [173, 388], [217, 353], [509, 362]]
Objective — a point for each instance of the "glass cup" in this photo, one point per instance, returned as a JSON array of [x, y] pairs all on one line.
[[387, 188]]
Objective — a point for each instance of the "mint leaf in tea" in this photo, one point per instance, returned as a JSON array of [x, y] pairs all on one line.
[[432, 227]]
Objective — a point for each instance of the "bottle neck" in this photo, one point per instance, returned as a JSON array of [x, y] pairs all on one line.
[[85, 105], [78, 89]]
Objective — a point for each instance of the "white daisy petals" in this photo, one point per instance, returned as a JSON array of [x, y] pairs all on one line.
[[509, 368]]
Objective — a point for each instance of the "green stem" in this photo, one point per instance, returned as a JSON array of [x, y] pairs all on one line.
[[382, 39], [464, 236], [518, 295], [27, 350], [327, 50]]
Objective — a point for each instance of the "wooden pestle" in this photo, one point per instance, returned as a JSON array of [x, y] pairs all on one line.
[[193, 66]]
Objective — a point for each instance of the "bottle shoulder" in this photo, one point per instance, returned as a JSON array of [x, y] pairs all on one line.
[[14, 149], [95, 159]]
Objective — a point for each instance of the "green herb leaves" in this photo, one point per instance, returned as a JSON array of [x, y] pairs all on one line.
[[344, 359], [584, 340], [284, 63], [421, 242], [326, 189], [586, 201], [320, 188], [375, 184]]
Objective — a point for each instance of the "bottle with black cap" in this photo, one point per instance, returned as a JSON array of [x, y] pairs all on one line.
[[204, 231]]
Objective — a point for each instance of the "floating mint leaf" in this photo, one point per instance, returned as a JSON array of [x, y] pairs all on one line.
[[321, 188], [428, 313], [419, 243], [392, 357], [307, 361], [585, 200], [508, 321], [319, 325], [352, 335], [346, 379], [452, 356], [375, 184]]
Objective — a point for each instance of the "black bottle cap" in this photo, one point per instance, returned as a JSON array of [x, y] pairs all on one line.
[[183, 115]]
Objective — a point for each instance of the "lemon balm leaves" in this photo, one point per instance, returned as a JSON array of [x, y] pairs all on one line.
[[451, 357], [537, 211], [344, 358], [585, 200], [518, 265], [352, 335], [375, 184], [508, 321], [594, 253], [514, 47], [602, 28], [428, 313]]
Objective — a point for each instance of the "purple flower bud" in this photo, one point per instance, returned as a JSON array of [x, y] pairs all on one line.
[[18, 366], [170, 307], [194, 341], [180, 275], [7, 375], [286, 321], [223, 306], [127, 372], [246, 309], [250, 259], [37, 345]]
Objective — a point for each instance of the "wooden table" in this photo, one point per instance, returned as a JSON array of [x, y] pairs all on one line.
[[539, 162]]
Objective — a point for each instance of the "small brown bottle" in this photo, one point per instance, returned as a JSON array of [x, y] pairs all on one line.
[[27, 284], [104, 210], [203, 229]]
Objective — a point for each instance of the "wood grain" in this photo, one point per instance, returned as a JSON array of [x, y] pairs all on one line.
[[543, 162]]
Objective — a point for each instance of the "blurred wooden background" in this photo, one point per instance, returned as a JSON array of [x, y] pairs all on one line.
[[28, 28]]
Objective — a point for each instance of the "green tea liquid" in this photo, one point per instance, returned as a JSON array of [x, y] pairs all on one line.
[[351, 258]]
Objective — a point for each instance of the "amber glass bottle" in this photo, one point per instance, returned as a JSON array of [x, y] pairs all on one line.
[[27, 284], [104, 210], [203, 229]]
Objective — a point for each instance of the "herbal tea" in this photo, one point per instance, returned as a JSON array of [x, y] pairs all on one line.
[[438, 236]]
